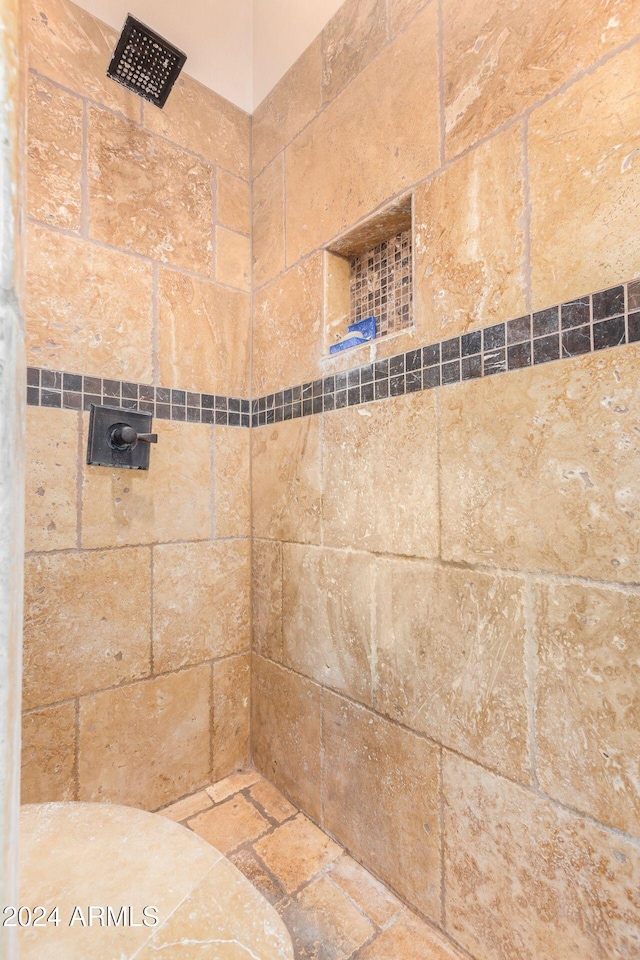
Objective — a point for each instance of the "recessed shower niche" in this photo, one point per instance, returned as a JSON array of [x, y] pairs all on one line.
[[369, 276]]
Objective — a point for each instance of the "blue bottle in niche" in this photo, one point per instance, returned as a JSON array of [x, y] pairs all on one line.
[[359, 332]]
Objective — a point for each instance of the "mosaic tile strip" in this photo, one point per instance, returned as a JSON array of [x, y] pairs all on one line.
[[71, 391], [381, 285], [608, 318]]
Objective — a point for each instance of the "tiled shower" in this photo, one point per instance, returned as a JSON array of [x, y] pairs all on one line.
[[402, 580]]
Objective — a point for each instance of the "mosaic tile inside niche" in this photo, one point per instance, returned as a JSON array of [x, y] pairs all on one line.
[[381, 285]]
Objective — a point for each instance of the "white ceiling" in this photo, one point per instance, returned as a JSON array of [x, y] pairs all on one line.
[[239, 48]]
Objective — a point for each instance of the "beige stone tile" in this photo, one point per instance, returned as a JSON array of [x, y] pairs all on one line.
[[230, 785], [352, 37], [203, 335], [51, 510], [336, 171], [272, 802], [155, 506], [233, 202], [538, 471], [285, 732], [469, 241], [410, 938], [587, 724], [401, 12], [48, 755], [585, 182], [268, 222], [286, 481], [224, 912], [231, 715], [248, 863], [88, 310], [266, 599], [393, 828], [293, 102], [573, 888], [68, 45], [54, 155], [231, 823], [63, 852], [163, 196], [501, 57], [390, 502], [233, 259], [231, 482], [189, 807], [327, 596], [296, 852], [146, 744], [372, 897], [324, 924], [201, 603], [337, 309], [287, 328], [451, 659], [202, 121], [87, 623]]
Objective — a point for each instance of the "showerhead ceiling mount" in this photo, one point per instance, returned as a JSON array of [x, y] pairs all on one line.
[[145, 62]]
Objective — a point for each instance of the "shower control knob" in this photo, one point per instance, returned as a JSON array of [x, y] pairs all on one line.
[[123, 436], [119, 437]]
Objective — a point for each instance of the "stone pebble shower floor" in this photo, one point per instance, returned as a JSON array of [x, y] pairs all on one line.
[[333, 908]]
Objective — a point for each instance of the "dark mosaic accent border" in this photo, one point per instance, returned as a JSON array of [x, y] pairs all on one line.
[[71, 391], [598, 321]]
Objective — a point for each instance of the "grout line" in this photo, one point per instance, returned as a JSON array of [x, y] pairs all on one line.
[[32, 554], [373, 625], [155, 326], [443, 868], [214, 220], [79, 482], [151, 608], [438, 438], [527, 271], [531, 661], [284, 210], [322, 756], [212, 488], [250, 492], [84, 176], [281, 547], [326, 874], [76, 760], [212, 721], [441, 84]]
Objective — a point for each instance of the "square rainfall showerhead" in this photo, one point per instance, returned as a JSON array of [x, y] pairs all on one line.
[[145, 63]]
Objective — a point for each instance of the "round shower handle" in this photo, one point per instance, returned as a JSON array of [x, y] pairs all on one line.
[[125, 436]]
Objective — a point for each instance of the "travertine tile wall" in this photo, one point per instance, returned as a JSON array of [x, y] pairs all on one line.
[[446, 597], [137, 629]]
